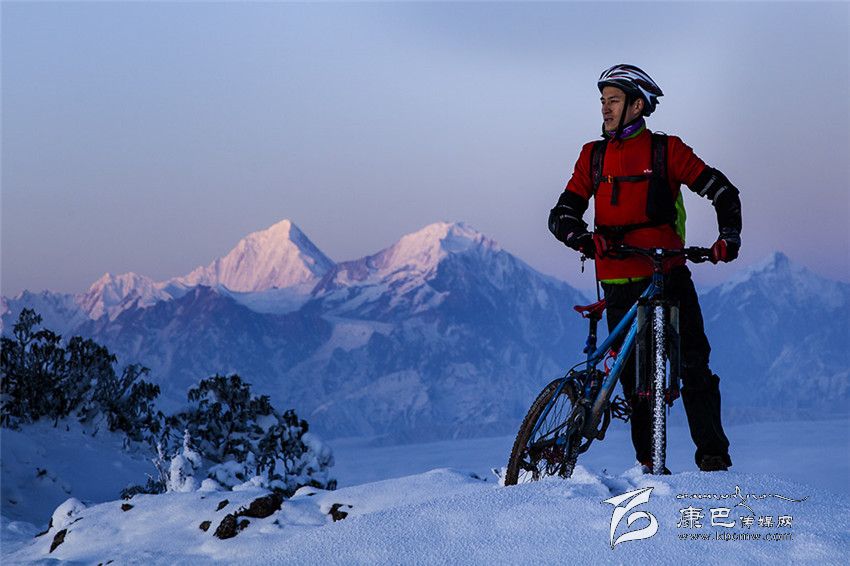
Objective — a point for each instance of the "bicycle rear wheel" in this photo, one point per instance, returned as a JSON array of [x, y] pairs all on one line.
[[551, 448]]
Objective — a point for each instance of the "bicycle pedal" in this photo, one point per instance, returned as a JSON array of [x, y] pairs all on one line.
[[620, 409]]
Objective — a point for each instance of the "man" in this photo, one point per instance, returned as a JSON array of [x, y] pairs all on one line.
[[635, 178]]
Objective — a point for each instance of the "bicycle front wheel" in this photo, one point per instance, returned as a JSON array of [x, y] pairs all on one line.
[[657, 368], [547, 443]]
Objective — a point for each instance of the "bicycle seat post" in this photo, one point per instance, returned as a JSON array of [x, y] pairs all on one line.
[[590, 346]]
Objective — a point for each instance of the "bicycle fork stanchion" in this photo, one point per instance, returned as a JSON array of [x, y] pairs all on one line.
[[659, 402]]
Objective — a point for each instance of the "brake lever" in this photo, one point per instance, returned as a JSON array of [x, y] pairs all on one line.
[[699, 255]]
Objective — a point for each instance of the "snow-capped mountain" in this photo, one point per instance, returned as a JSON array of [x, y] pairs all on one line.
[[112, 294], [414, 257], [272, 270], [60, 312], [441, 334], [780, 338], [405, 271], [279, 256]]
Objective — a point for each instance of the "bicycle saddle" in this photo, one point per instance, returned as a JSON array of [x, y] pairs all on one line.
[[591, 311]]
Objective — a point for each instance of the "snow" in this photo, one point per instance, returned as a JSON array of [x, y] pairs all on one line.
[[42, 465], [59, 312], [415, 257], [789, 282], [349, 334], [439, 503], [417, 503], [778, 449], [420, 251], [67, 513], [272, 301], [279, 256], [447, 516], [111, 295]]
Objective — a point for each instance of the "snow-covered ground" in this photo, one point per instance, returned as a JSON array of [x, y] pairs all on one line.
[[815, 453], [42, 465], [450, 517], [440, 503]]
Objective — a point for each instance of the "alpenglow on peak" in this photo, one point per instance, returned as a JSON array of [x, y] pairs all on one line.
[[426, 247], [279, 256]]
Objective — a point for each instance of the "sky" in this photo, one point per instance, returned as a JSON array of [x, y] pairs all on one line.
[[151, 137]]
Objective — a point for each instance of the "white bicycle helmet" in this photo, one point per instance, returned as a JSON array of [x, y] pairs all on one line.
[[634, 82]]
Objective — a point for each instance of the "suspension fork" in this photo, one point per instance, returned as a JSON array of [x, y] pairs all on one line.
[[658, 318], [659, 386]]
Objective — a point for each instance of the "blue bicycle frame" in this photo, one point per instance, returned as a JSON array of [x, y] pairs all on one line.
[[596, 355], [629, 321]]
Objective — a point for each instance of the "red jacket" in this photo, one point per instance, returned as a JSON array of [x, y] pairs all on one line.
[[629, 157]]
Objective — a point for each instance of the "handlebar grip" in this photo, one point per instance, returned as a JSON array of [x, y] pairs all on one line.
[[698, 255]]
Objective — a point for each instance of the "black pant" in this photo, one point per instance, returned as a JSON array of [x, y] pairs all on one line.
[[700, 387]]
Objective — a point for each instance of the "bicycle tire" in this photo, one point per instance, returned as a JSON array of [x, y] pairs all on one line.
[[531, 459], [657, 368]]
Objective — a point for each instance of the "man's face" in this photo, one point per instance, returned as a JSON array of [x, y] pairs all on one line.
[[613, 102]]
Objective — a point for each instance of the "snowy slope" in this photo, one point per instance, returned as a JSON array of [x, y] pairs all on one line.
[[42, 465], [447, 516], [403, 510]]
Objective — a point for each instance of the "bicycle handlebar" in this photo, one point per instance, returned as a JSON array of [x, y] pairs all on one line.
[[693, 254]]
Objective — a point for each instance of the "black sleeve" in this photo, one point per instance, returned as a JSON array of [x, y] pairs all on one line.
[[566, 217], [713, 185]]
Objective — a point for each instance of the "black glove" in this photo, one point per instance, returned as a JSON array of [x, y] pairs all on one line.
[[581, 241]]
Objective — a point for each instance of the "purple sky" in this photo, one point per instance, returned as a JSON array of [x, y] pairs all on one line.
[[152, 137]]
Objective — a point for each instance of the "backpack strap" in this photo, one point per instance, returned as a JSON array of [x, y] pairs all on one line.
[[597, 159], [659, 155], [660, 207]]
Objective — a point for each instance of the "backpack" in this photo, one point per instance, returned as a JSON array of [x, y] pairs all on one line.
[[660, 204]]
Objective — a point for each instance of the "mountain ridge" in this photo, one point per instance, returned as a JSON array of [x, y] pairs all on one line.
[[446, 334]]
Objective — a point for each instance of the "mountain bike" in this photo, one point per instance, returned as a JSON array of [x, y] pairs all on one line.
[[576, 409]]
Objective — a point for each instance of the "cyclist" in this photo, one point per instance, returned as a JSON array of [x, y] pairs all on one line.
[[635, 178]]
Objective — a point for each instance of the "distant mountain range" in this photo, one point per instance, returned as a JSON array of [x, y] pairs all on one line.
[[442, 334]]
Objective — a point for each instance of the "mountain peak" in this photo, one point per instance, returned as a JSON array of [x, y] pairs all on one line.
[[124, 281], [278, 256], [111, 294], [776, 261], [414, 258], [774, 264], [783, 280], [424, 248], [285, 230]]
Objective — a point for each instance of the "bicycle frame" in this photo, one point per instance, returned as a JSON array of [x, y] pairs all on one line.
[[654, 290], [627, 325]]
